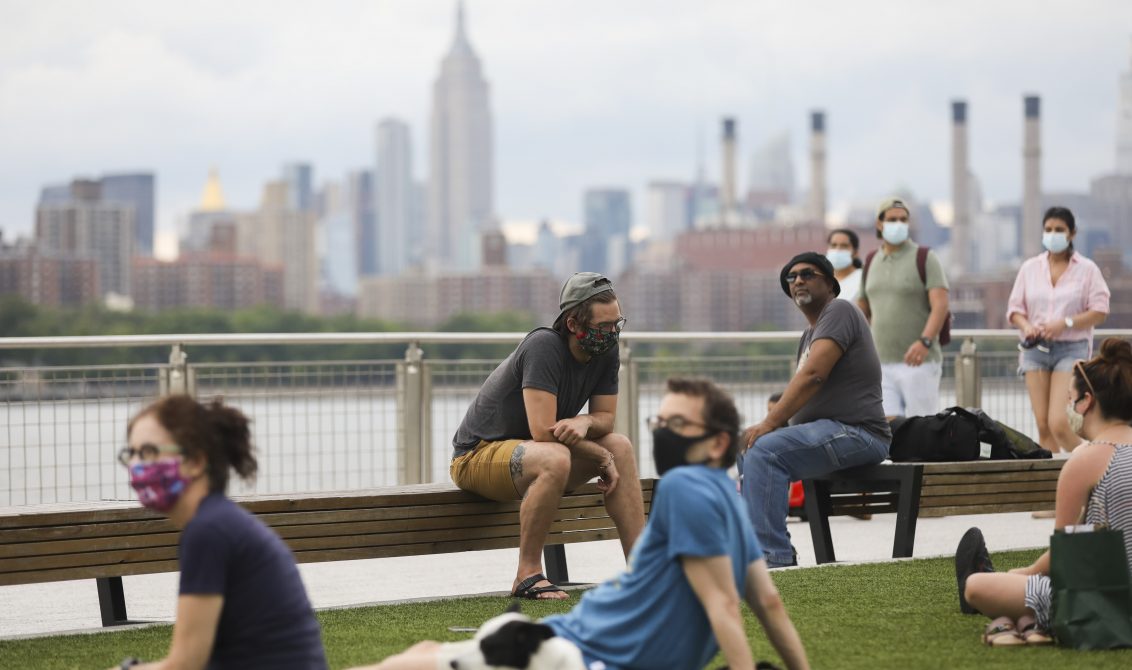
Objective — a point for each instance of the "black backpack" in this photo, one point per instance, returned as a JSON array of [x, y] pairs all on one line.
[[955, 434]]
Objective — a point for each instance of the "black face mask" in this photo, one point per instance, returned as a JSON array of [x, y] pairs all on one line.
[[670, 449]]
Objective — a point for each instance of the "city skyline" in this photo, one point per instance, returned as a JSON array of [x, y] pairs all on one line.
[[578, 103]]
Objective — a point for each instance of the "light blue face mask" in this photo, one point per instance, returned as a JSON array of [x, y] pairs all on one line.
[[894, 232], [839, 258], [1055, 243]]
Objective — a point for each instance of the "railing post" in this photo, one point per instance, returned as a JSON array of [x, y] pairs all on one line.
[[968, 376], [410, 402], [178, 377], [627, 421]]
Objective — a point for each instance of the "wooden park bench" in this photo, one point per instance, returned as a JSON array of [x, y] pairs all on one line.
[[915, 490], [107, 540]]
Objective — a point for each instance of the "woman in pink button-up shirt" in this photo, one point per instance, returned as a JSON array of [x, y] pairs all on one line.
[[1059, 297]]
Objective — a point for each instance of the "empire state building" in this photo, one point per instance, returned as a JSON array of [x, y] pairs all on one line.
[[461, 183]]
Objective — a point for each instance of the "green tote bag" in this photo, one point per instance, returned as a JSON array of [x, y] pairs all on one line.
[[1092, 591]]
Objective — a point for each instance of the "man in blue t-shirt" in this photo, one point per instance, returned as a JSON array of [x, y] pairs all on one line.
[[677, 603]]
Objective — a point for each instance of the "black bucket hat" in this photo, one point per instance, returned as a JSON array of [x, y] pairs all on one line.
[[813, 258]]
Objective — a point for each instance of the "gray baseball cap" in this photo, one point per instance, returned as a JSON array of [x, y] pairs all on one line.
[[580, 288]]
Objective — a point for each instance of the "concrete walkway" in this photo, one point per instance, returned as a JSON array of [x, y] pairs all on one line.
[[67, 607]]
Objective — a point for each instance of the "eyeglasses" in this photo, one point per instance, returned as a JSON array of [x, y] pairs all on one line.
[[1081, 368], [147, 453], [676, 423], [806, 275], [612, 326]]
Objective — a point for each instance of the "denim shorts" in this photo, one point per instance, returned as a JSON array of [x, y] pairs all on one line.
[[1060, 357]]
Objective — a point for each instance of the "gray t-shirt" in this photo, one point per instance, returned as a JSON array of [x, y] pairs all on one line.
[[852, 393], [542, 361]]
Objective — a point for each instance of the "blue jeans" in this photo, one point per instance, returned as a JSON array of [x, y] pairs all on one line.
[[790, 454]]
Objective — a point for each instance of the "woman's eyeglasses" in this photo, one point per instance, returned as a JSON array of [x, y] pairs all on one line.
[[146, 453]]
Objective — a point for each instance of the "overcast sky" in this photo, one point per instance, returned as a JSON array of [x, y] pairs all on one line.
[[584, 93]]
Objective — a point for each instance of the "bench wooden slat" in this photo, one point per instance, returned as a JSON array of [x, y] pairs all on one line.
[[1042, 485], [969, 467], [994, 477]]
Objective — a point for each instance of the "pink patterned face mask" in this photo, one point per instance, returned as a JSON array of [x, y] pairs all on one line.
[[159, 484]]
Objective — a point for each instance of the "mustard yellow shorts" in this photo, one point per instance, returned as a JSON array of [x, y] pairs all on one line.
[[486, 470]]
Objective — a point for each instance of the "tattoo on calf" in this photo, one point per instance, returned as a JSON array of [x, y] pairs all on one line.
[[517, 461]]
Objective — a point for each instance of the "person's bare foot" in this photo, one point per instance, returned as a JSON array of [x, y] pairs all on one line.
[[537, 587]]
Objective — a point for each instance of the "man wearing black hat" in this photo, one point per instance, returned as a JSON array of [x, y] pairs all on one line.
[[830, 416], [523, 438]]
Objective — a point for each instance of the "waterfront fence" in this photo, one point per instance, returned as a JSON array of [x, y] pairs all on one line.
[[322, 425]]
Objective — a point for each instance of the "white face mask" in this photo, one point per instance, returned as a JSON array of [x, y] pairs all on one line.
[[839, 258], [895, 232], [1076, 421], [1055, 242]]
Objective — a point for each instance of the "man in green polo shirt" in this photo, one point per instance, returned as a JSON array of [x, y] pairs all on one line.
[[906, 314]]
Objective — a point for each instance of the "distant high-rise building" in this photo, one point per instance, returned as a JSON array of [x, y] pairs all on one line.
[[394, 192], [87, 226], [132, 190], [608, 218], [461, 165], [1124, 124], [818, 194], [668, 209], [212, 211], [339, 266], [772, 174], [300, 188], [1031, 235], [362, 206], [136, 190], [277, 234]]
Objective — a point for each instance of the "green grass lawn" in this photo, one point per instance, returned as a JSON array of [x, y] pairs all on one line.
[[893, 615]]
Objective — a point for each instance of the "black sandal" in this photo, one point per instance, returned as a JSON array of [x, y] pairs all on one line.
[[528, 591]]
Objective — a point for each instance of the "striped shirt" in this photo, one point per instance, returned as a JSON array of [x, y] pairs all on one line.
[[1111, 501], [1081, 288]]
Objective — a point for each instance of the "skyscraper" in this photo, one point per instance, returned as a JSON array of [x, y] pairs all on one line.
[[299, 186], [608, 216], [136, 190], [1124, 124], [461, 169], [394, 192], [362, 204], [88, 226]]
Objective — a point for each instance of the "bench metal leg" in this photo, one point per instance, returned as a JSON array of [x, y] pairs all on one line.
[[907, 512], [111, 600], [817, 512], [554, 556]]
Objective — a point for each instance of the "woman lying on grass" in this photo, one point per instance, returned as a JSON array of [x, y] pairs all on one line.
[[1097, 479]]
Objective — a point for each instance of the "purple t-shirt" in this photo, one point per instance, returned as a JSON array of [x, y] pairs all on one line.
[[852, 394], [267, 620]]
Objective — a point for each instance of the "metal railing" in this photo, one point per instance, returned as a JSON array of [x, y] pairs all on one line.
[[350, 424]]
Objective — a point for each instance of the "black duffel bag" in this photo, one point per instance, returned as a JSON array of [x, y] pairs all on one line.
[[955, 434]]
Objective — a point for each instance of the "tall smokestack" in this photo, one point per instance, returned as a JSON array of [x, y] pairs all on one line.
[[960, 195], [727, 197], [817, 166], [1032, 178]]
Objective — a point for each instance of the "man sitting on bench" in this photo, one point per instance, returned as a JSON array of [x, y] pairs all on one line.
[[832, 405], [523, 438]]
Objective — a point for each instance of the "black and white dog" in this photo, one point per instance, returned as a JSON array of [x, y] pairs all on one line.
[[511, 640]]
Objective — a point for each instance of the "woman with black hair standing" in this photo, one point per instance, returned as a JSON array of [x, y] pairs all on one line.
[[242, 603], [1058, 298], [844, 255]]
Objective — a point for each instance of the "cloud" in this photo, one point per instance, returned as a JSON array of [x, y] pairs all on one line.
[[584, 93]]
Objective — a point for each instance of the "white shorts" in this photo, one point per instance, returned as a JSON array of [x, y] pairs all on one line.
[[910, 391]]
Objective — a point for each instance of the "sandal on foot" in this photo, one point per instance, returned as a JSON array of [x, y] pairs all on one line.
[[1001, 633], [528, 591], [1031, 633]]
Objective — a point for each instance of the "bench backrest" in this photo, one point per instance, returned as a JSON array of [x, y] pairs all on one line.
[[58, 542]]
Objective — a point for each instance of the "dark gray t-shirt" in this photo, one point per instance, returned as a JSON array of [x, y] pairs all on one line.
[[542, 361], [852, 394]]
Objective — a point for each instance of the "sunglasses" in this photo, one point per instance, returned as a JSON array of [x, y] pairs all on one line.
[[1081, 368], [806, 275]]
